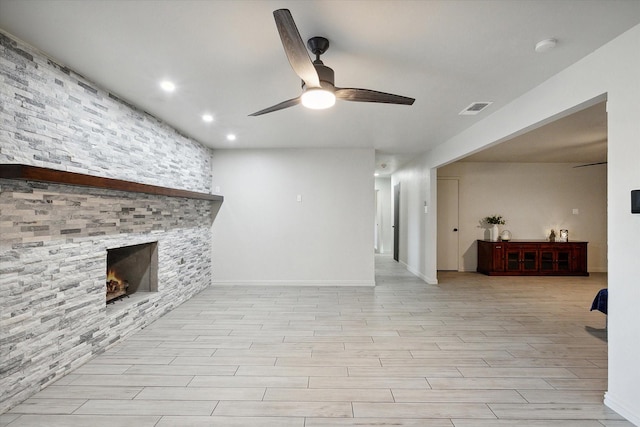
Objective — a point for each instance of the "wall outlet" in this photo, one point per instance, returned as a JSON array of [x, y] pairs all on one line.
[[299, 198], [576, 211]]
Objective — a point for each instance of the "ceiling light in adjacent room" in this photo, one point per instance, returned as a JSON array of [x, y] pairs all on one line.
[[207, 118], [546, 45], [231, 137], [167, 86], [318, 99]]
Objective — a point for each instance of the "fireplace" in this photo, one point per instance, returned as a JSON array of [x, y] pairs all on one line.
[[130, 270], [59, 221]]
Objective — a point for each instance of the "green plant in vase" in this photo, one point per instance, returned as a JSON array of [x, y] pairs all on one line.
[[494, 221]]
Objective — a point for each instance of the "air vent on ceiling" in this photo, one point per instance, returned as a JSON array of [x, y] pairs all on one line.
[[474, 108]]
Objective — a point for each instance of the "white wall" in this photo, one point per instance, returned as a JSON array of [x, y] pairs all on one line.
[[417, 229], [262, 234], [534, 198], [610, 72], [384, 215]]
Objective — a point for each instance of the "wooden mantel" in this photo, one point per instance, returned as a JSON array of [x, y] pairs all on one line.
[[35, 173]]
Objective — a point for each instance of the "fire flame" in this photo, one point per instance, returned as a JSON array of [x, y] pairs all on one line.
[[113, 277]]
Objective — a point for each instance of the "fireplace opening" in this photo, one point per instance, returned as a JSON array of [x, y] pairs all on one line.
[[130, 270]]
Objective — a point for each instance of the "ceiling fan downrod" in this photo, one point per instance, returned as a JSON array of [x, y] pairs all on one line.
[[318, 45]]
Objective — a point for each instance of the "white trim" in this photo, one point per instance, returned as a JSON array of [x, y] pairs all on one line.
[[621, 409], [318, 283], [428, 280]]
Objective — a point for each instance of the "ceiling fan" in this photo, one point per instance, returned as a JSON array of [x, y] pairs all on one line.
[[318, 89], [590, 164]]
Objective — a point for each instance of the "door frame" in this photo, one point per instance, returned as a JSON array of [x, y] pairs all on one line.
[[396, 222]]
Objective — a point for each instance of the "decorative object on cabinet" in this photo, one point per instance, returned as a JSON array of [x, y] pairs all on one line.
[[532, 258], [505, 236], [494, 221], [552, 236], [495, 232], [564, 235]]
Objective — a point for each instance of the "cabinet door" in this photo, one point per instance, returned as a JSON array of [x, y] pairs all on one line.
[[530, 259], [579, 258], [498, 258], [556, 260], [522, 259], [512, 257], [563, 260], [547, 260]]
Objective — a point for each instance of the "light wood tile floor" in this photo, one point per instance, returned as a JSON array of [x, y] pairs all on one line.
[[473, 351]]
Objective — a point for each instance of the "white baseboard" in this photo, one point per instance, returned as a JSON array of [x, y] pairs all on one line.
[[621, 409], [428, 280], [316, 283]]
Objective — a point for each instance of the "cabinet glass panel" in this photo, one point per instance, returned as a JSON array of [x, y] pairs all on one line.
[[563, 261], [529, 260], [546, 260], [513, 261]]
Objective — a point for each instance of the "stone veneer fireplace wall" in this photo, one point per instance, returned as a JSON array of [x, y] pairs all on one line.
[[54, 237]]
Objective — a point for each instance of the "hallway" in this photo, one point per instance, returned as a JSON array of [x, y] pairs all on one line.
[[472, 351]]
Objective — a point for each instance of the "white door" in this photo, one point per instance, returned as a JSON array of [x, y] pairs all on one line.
[[448, 254], [377, 232]]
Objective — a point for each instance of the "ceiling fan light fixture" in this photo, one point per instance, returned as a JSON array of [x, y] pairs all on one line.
[[318, 99]]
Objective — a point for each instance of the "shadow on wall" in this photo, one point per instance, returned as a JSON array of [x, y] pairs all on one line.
[[470, 256]]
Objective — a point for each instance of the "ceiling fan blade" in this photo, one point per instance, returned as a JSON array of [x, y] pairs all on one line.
[[281, 106], [367, 95], [590, 164], [295, 49]]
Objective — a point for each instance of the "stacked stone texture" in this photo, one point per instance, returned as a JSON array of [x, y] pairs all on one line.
[[54, 238], [53, 117]]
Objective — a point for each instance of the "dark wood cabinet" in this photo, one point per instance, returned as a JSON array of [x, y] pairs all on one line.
[[533, 258], [521, 258]]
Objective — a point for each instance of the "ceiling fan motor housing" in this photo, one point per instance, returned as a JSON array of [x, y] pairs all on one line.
[[325, 74], [319, 45]]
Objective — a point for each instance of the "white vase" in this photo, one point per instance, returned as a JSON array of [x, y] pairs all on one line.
[[495, 233]]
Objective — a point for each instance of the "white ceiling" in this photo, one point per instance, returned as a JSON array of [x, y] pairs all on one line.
[[577, 138], [226, 59]]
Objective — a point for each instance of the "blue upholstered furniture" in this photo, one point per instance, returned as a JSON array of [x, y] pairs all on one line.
[[600, 301]]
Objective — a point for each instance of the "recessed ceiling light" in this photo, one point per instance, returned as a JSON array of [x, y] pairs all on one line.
[[546, 45], [231, 137], [207, 118], [167, 86], [376, 174]]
